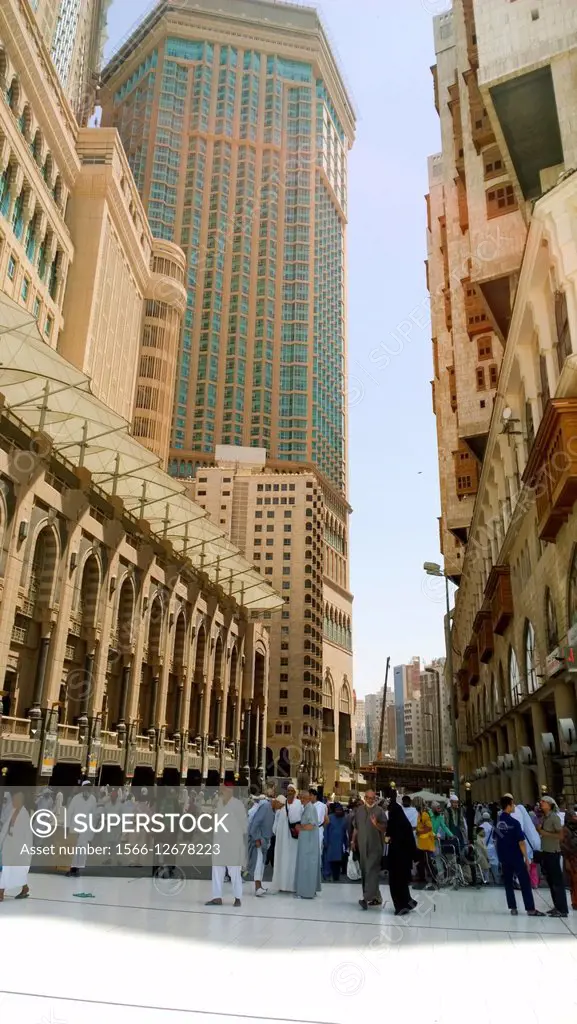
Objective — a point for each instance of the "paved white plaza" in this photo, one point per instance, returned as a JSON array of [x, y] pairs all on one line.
[[139, 955]]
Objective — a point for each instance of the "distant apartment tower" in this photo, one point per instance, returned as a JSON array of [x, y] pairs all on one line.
[[360, 723], [476, 233], [237, 126], [277, 516], [75, 32]]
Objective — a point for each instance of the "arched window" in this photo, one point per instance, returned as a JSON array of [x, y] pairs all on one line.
[[514, 678], [551, 622], [572, 595], [530, 667], [503, 700], [563, 345], [495, 696]]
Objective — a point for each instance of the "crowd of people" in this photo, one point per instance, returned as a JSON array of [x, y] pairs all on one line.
[[300, 840]]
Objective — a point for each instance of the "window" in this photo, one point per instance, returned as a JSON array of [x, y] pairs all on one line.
[[278, 728], [37, 305], [283, 694], [48, 326], [563, 345], [572, 595], [514, 678], [493, 376], [501, 200], [25, 290], [484, 347], [283, 711], [530, 667], [11, 268], [480, 379], [287, 728], [551, 622], [493, 163]]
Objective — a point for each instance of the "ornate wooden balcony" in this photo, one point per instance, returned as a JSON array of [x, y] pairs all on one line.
[[435, 74], [471, 658], [552, 466], [475, 310], [463, 684], [500, 595], [483, 630]]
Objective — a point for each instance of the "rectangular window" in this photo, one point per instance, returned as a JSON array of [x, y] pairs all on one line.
[[484, 347], [48, 326], [480, 379], [493, 376], [11, 268], [25, 290], [501, 200]]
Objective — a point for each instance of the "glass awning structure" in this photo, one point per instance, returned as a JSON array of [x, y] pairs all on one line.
[[49, 394]]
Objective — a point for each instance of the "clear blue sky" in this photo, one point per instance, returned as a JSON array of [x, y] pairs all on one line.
[[386, 50]]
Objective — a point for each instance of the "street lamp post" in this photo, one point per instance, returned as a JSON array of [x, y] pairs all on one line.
[[433, 569]]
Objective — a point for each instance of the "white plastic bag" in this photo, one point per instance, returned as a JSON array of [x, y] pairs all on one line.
[[353, 869]]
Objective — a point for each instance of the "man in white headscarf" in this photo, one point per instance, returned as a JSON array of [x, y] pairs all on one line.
[[286, 842], [531, 835], [82, 804]]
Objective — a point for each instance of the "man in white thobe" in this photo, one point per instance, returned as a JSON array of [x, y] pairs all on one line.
[[322, 815], [285, 850], [82, 804], [229, 846]]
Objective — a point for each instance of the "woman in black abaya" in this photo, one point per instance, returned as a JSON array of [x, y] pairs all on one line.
[[402, 851]]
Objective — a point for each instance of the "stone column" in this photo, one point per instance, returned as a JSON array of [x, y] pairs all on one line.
[[565, 708], [539, 727], [124, 688], [153, 698]]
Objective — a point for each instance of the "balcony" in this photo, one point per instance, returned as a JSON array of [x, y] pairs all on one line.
[[471, 660], [19, 634], [552, 467], [499, 594], [481, 128], [16, 742], [70, 748], [463, 205], [463, 684], [483, 630], [475, 310], [435, 74], [448, 309]]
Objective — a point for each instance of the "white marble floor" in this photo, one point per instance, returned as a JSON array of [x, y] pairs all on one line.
[[151, 953]]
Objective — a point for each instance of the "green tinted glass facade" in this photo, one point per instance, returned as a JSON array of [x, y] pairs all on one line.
[[240, 158]]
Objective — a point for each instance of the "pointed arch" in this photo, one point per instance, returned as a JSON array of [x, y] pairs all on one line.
[[155, 624], [125, 612], [43, 568], [217, 675], [179, 639], [572, 591], [200, 656], [551, 627], [90, 583], [514, 678], [530, 658]]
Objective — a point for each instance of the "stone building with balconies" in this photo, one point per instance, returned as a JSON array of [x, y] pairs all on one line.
[[130, 645], [475, 238], [516, 609]]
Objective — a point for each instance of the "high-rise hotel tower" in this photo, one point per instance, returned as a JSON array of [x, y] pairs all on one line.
[[237, 124]]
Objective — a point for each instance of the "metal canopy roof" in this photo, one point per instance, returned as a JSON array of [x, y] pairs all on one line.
[[49, 394]]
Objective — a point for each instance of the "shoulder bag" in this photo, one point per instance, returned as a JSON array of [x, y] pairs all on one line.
[[293, 826]]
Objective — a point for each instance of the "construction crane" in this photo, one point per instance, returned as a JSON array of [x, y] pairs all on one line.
[[383, 713]]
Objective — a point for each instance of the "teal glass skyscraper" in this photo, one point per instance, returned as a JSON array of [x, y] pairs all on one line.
[[237, 126]]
